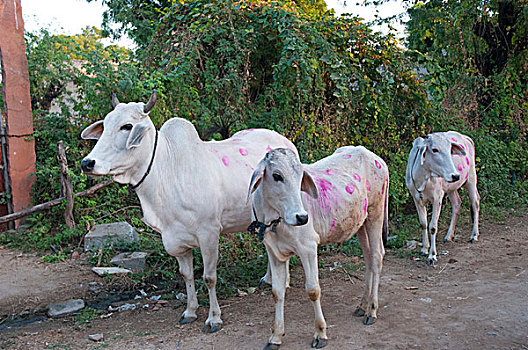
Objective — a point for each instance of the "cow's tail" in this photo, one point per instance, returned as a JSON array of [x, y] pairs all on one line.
[[385, 230]]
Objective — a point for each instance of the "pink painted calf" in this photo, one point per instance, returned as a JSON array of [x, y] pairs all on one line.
[[441, 163], [344, 194]]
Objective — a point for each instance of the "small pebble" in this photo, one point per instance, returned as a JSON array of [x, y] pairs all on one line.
[[96, 337]]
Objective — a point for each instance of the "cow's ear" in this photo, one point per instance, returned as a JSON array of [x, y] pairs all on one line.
[[93, 132], [136, 135], [423, 152], [457, 150], [308, 185], [256, 178]]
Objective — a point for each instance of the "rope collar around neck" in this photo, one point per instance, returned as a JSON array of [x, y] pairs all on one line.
[[150, 164], [260, 228]]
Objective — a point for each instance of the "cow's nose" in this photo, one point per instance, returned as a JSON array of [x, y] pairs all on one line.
[[455, 177], [87, 165], [302, 219]]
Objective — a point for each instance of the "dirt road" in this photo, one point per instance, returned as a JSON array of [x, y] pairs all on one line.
[[475, 298]]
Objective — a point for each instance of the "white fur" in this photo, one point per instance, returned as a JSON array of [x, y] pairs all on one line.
[[346, 193], [429, 176], [195, 190]]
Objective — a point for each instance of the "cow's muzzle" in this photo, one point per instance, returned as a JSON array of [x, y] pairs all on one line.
[[301, 219], [455, 177], [87, 165]]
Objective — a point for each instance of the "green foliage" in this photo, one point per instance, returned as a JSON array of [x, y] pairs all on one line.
[[86, 316], [322, 81]]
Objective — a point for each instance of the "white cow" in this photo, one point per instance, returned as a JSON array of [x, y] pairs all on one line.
[[346, 193], [191, 191], [441, 163]]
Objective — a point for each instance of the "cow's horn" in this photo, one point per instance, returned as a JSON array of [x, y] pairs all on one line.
[[151, 102], [115, 101]]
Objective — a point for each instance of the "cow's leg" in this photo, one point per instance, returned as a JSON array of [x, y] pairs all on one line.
[[474, 196], [365, 246], [433, 228], [422, 217], [267, 277], [374, 230], [186, 269], [308, 256], [210, 258], [456, 202], [278, 289]]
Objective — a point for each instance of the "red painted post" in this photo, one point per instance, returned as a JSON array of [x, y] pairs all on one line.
[[17, 104]]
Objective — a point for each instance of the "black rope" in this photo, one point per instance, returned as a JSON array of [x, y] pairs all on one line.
[[259, 228], [150, 165]]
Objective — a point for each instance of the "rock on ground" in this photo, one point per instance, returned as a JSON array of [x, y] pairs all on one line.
[[134, 261], [105, 235], [65, 308]]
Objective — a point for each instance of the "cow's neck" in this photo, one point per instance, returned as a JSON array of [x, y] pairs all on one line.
[[420, 175], [169, 181]]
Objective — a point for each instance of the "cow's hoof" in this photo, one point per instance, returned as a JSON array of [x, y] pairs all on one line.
[[422, 253], [184, 320], [473, 240], [272, 346], [318, 343], [368, 320], [263, 284], [447, 240], [431, 261], [359, 312], [212, 328]]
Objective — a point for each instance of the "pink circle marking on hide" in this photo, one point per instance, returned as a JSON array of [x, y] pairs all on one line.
[[467, 160], [357, 177], [368, 185], [460, 167], [365, 206], [324, 185], [378, 164], [350, 188], [243, 151], [268, 148], [330, 172], [346, 156], [225, 160]]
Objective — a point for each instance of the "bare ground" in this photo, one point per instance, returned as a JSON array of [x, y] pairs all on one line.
[[475, 298]]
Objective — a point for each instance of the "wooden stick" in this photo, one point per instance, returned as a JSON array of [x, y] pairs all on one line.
[[53, 202], [66, 185]]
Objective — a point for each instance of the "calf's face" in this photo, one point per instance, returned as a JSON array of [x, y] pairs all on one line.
[[281, 178], [436, 157]]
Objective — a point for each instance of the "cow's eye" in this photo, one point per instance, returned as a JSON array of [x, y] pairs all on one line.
[[277, 177], [126, 127], [435, 150]]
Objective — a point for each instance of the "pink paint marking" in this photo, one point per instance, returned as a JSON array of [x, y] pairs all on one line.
[[378, 164], [467, 160], [368, 185], [357, 177], [453, 139], [236, 140], [340, 151], [350, 188], [383, 187], [365, 206], [243, 151], [460, 167], [332, 226], [346, 156], [467, 175], [225, 160], [324, 188], [268, 148], [330, 172]]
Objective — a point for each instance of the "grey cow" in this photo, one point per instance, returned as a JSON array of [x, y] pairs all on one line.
[[345, 193], [441, 163]]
